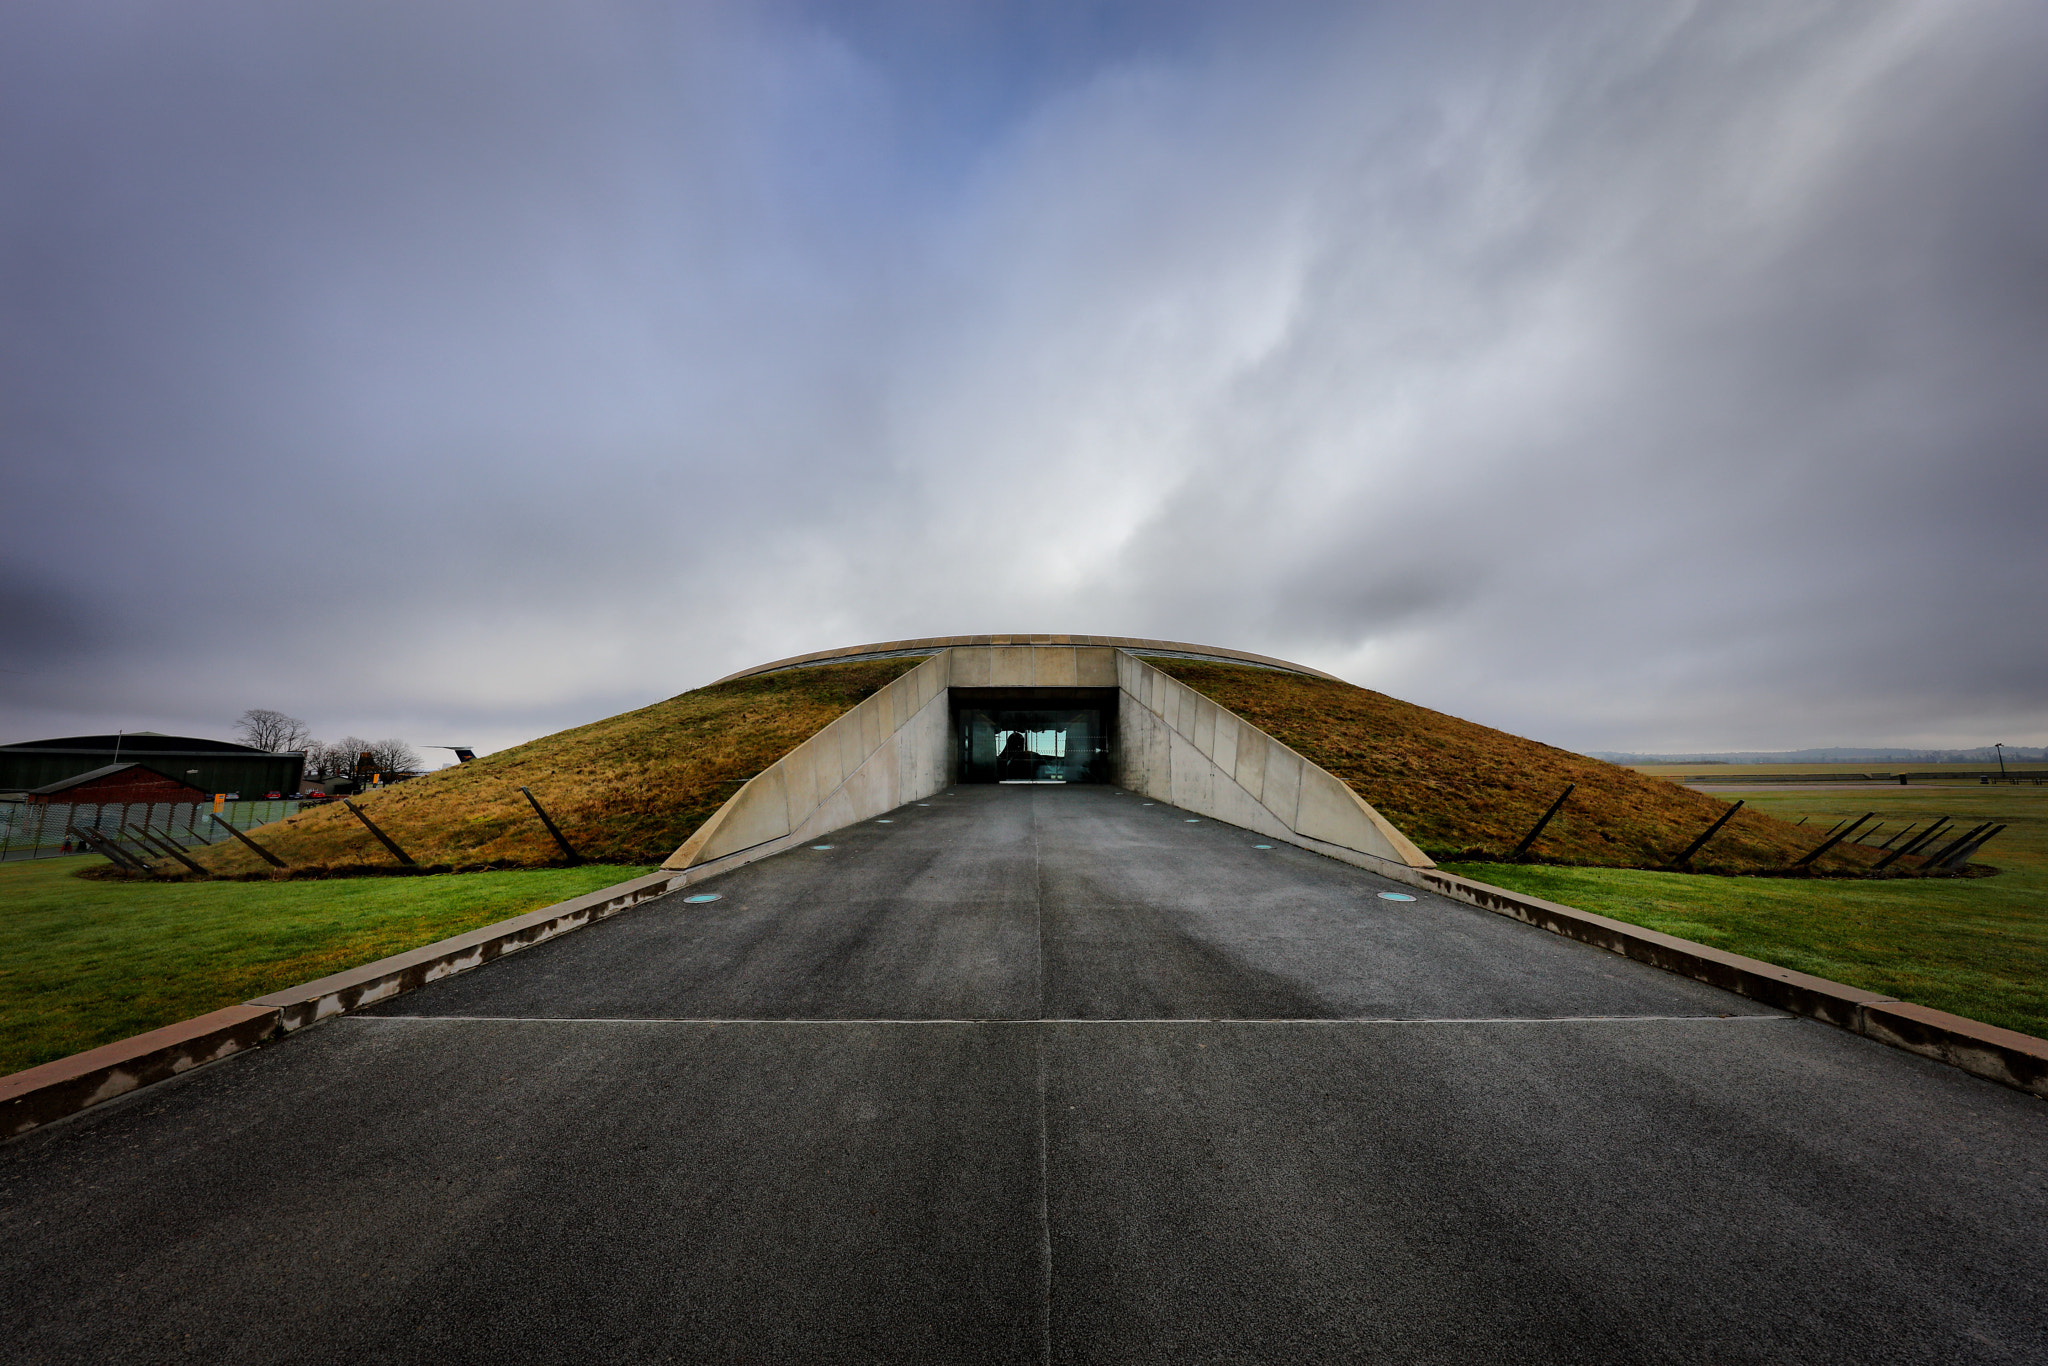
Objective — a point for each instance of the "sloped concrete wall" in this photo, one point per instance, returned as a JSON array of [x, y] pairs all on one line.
[[895, 747], [890, 749], [1175, 745]]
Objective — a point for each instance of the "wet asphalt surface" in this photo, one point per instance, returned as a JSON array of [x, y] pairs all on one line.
[[1043, 1074]]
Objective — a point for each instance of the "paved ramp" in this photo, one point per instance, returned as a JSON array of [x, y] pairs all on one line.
[[1044, 1074]]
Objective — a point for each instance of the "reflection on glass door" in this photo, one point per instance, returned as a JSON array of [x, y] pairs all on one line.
[[1066, 745]]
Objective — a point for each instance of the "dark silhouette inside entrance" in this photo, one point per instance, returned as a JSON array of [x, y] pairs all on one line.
[[1034, 735]]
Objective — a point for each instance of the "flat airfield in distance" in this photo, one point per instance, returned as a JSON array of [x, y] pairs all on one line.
[[1766, 777], [1043, 1074]]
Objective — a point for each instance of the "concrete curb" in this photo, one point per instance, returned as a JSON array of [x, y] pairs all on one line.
[[2001, 1055], [64, 1087], [342, 992], [2018, 1060], [57, 1089]]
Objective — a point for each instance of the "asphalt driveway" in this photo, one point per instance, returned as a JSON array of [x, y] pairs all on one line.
[[1035, 1074]]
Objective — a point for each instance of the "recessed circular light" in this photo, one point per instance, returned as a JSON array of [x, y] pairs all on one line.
[[1193, 821], [821, 846], [1262, 846], [1395, 896], [885, 822], [701, 898]]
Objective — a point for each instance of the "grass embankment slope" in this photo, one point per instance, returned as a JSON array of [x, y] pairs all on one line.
[[627, 789], [86, 962], [1975, 947], [1461, 789]]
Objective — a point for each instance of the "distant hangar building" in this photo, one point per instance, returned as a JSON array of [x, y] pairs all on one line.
[[207, 765]]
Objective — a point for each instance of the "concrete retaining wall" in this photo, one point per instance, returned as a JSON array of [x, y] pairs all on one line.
[[890, 749], [895, 747], [1177, 746]]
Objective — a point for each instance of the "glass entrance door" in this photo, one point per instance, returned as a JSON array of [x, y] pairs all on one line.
[[1033, 745]]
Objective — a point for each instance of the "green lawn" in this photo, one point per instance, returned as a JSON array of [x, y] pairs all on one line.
[[83, 963], [1976, 947]]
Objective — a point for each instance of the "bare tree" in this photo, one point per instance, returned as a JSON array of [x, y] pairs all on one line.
[[336, 759], [262, 728], [353, 756], [394, 756]]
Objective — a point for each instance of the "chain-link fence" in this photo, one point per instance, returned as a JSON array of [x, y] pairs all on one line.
[[53, 829]]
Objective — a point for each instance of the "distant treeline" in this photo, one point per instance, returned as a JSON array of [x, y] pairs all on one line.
[[1985, 754]]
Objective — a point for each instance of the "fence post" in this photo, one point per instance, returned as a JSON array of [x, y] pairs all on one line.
[[107, 850], [382, 838], [560, 838], [268, 857], [1833, 840], [1530, 838], [1699, 843], [162, 843], [1918, 841], [1936, 860], [1969, 851]]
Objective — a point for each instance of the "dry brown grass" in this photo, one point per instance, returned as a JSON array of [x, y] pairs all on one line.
[[1460, 789], [627, 789]]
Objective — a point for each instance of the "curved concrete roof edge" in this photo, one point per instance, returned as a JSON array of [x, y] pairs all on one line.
[[934, 644]]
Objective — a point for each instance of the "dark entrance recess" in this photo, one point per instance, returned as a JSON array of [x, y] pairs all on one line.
[[1034, 735]]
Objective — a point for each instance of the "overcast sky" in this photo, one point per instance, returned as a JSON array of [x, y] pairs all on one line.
[[1635, 375]]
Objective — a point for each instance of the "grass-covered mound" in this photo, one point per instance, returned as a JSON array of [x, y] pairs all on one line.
[[1463, 790], [627, 789]]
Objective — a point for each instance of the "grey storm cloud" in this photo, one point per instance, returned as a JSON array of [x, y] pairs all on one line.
[[1631, 375]]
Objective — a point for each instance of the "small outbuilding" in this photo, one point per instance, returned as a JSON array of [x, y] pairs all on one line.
[[116, 784]]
